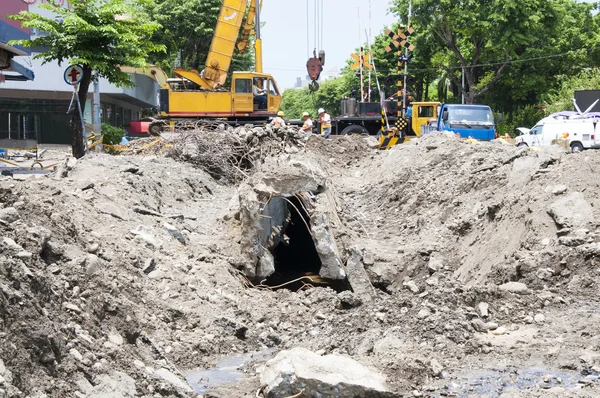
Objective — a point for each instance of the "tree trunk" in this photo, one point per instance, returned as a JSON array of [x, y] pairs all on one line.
[[77, 133]]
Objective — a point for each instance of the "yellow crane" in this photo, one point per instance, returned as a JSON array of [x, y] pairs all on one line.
[[194, 95]]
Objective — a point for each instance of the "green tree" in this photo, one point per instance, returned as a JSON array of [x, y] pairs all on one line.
[[559, 99], [472, 33], [186, 31], [297, 101], [567, 47], [99, 35]]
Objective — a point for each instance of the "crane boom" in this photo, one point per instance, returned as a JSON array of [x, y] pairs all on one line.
[[153, 72], [244, 43], [223, 43]]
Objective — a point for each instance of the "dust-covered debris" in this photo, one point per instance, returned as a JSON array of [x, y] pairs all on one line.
[[472, 268]]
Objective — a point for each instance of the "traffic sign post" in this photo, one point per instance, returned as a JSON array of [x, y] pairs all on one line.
[[400, 41], [73, 76], [361, 62]]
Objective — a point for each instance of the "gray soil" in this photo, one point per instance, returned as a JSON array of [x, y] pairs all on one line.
[[472, 266]]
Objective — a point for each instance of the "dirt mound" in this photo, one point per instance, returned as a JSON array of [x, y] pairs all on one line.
[[483, 207], [471, 269], [343, 151]]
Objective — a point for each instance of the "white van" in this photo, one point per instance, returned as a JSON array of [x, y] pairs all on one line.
[[580, 133]]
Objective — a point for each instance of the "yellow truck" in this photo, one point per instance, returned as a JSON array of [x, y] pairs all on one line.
[[196, 95]]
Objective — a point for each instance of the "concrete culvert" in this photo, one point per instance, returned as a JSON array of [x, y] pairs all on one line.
[[293, 245], [286, 236]]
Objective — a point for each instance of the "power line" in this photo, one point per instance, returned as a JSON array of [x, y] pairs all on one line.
[[516, 61], [470, 67]]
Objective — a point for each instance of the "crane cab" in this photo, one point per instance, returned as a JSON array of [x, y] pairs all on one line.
[[244, 87], [238, 103]]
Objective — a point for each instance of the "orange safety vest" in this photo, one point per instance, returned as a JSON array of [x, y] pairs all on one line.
[[325, 121], [278, 122], [308, 124]]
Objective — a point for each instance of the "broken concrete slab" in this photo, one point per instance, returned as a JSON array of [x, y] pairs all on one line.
[[331, 267], [571, 211], [283, 175], [357, 276], [171, 378], [9, 215], [300, 370]]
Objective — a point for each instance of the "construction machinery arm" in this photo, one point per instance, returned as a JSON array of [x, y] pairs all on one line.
[[223, 44], [152, 71], [244, 43]]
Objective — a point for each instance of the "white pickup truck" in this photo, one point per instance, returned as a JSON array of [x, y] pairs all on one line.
[[579, 132]]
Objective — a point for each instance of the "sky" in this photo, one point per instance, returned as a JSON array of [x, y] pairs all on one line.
[[285, 31]]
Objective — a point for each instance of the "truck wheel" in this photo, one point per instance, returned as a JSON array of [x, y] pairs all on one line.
[[521, 144], [154, 129], [355, 129], [576, 147]]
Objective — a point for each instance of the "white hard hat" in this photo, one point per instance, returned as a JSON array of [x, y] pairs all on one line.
[[305, 114], [321, 110]]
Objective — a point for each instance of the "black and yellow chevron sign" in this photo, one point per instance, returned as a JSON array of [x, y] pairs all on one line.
[[357, 61], [399, 39]]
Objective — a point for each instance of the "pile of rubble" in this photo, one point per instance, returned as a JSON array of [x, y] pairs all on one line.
[[230, 153], [223, 151], [467, 269]]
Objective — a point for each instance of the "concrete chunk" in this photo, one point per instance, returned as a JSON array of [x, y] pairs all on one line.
[[571, 211], [10, 215], [514, 287], [299, 369], [169, 377]]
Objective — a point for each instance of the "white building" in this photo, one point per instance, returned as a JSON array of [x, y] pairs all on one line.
[[37, 109], [329, 74]]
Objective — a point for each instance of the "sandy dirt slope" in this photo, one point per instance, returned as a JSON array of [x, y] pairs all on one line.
[[119, 276]]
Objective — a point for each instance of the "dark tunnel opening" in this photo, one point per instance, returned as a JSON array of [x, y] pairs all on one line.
[[295, 255]]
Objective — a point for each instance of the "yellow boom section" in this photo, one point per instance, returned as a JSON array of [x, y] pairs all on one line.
[[244, 43], [222, 46], [153, 72]]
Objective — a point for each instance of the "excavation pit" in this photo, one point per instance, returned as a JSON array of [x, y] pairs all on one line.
[[286, 236], [292, 244]]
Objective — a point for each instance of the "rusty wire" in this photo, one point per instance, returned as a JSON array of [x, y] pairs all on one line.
[[262, 286], [300, 214]]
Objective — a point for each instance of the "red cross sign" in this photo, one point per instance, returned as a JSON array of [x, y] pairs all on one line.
[[73, 75]]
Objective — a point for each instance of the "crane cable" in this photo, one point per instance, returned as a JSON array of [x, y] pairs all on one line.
[[307, 30], [318, 24]]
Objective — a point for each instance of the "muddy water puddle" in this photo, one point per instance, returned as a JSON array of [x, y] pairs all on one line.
[[228, 371], [493, 383]]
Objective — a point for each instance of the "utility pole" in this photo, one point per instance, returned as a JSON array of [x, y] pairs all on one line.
[[96, 109], [96, 105], [463, 84], [406, 56]]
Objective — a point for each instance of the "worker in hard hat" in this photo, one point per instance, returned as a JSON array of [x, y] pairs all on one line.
[[278, 121], [307, 126], [325, 121]]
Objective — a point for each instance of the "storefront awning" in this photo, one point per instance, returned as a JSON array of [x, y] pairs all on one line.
[[15, 70]]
